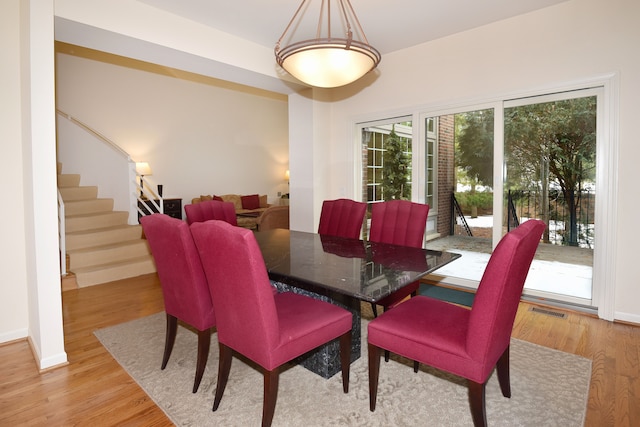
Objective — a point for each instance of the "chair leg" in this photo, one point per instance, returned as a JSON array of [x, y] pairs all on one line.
[[502, 367], [204, 342], [170, 339], [375, 309], [270, 395], [226, 355], [416, 366], [374, 371], [345, 359], [476, 401]]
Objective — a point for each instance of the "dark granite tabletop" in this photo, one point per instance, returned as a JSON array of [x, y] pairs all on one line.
[[364, 270]]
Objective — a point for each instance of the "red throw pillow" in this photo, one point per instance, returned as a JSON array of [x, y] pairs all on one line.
[[250, 202], [218, 198]]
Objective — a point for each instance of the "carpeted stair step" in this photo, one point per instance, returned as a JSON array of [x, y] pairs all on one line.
[[98, 255], [103, 236], [80, 207], [68, 180], [95, 220], [70, 194], [110, 272]]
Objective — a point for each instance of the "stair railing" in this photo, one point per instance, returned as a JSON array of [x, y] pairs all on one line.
[[124, 196], [148, 201], [457, 211], [512, 215], [61, 236]]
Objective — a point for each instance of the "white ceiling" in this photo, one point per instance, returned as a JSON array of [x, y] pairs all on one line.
[[389, 25]]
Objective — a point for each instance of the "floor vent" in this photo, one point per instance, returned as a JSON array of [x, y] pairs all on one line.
[[548, 312]]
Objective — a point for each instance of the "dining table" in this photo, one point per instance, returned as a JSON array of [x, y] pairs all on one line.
[[344, 272]]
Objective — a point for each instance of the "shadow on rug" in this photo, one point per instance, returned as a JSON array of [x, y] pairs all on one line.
[[549, 387]]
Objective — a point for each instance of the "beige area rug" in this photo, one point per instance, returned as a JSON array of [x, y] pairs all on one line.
[[549, 387]]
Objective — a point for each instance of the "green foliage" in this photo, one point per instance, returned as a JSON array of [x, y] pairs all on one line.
[[482, 200], [474, 141], [395, 169], [559, 135]]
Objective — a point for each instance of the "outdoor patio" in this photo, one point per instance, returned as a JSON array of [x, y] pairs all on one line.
[[559, 270]]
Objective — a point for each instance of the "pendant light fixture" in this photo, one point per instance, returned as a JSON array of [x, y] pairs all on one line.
[[336, 56]]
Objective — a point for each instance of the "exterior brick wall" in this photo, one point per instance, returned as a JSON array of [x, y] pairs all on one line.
[[446, 172]]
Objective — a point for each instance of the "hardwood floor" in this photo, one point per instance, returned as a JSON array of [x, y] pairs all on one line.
[[93, 390]]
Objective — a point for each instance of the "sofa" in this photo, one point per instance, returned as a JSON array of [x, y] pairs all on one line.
[[248, 207]]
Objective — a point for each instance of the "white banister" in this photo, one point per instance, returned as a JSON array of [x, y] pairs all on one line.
[[61, 236]]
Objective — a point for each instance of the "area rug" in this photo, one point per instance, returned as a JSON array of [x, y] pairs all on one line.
[[549, 387]]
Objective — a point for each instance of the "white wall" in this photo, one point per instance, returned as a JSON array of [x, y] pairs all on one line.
[[30, 294], [200, 136], [14, 321], [563, 44]]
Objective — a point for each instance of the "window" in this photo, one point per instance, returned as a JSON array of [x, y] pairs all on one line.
[[378, 141]]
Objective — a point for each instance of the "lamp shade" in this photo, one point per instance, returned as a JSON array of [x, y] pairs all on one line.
[[143, 168]]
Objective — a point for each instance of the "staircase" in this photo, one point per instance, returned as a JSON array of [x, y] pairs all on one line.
[[101, 245]]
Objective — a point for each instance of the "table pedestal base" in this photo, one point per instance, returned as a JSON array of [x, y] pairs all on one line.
[[325, 360]]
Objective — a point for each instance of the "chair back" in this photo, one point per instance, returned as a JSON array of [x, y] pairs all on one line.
[[246, 314], [342, 218], [399, 222], [496, 302], [184, 285], [274, 217], [211, 209]]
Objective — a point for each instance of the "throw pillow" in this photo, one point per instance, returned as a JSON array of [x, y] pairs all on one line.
[[205, 198], [263, 201], [250, 202], [218, 198]]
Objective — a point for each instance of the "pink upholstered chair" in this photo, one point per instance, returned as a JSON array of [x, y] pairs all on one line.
[[342, 218], [467, 343], [211, 209], [184, 285], [398, 222], [266, 328]]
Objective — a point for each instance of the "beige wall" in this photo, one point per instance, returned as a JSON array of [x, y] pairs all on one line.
[[199, 135], [554, 47]]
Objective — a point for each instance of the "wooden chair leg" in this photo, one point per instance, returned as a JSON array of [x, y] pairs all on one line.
[[226, 355], [170, 339], [476, 402], [345, 359], [375, 309], [270, 396], [416, 366], [374, 371], [204, 342], [502, 367]]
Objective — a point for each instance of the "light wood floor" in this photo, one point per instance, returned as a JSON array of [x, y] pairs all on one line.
[[93, 390]]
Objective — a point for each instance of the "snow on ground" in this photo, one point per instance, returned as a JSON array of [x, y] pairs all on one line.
[[546, 276]]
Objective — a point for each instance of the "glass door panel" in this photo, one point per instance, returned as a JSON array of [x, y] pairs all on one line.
[[550, 164]]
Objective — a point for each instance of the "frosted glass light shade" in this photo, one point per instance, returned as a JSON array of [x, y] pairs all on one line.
[[328, 64]]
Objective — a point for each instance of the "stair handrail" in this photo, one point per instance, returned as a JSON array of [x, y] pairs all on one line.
[[61, 236], [95, 133], [131, 201], [457, 211]]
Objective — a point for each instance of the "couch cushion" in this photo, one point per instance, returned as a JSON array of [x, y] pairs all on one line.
[[250, 202], [233, 198], [205, 198]]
